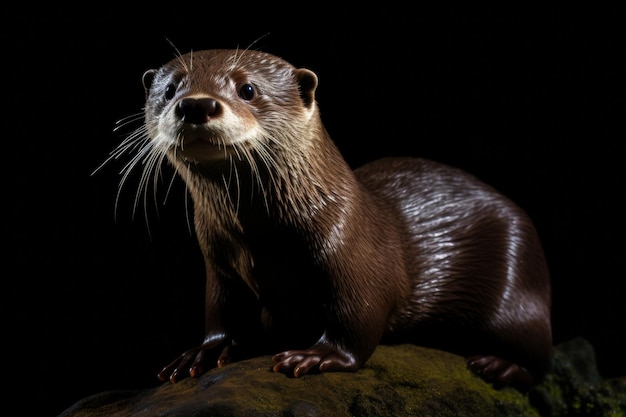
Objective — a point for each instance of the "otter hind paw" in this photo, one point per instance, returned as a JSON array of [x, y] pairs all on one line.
[[500, 372]]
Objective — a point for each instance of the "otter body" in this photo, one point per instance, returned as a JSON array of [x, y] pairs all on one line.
[[318, 264]]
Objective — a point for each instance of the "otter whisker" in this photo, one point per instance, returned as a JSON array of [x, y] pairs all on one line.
[[188, 210], [134, 139], [169, 186], [232, 172], [130, 147], [136, 158], [139, 156], [155, 164], [125, 121], [238, 54], [254, 42], [256, 178], [235, 148], [151, 156], [178, 55], [266, 158], [151, 163]]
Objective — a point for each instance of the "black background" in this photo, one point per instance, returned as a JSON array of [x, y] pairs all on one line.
[[529, 100]]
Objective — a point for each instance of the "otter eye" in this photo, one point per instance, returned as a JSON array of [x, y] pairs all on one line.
[[246, 92], [170, 90]]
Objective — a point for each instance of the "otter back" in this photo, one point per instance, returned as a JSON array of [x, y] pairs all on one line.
[[318, 264]]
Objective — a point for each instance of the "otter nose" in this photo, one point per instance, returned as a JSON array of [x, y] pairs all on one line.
[[197, 111]]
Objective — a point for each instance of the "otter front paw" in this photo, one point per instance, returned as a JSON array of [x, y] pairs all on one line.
[[320, 358], [189, 363]]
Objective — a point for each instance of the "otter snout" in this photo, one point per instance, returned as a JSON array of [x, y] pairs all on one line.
[[197, 110]]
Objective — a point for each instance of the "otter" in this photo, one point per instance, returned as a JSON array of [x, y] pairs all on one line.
[[316, 263]]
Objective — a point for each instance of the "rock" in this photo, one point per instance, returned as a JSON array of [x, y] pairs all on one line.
[[574, 387], [397, 381]]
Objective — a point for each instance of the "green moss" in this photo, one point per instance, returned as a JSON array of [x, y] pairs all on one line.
[[575, 388], [397, 381]]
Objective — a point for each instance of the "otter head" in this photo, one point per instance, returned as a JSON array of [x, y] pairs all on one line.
[[217, 105]]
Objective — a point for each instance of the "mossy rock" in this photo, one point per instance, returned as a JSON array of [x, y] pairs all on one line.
[[575, 388], [397, 381]]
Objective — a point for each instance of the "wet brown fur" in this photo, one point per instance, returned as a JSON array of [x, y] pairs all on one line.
[[317, 263]]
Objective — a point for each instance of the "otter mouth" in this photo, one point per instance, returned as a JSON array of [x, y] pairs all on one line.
[[203, 143], [200, 147]]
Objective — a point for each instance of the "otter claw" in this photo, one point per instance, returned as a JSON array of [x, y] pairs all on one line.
[[171, 371], [190, 363]]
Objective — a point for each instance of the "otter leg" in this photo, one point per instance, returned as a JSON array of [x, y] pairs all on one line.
[[500, 372], [191, 362]]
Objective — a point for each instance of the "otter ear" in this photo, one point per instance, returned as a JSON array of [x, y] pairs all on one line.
[[148, 78], [307, 81]]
